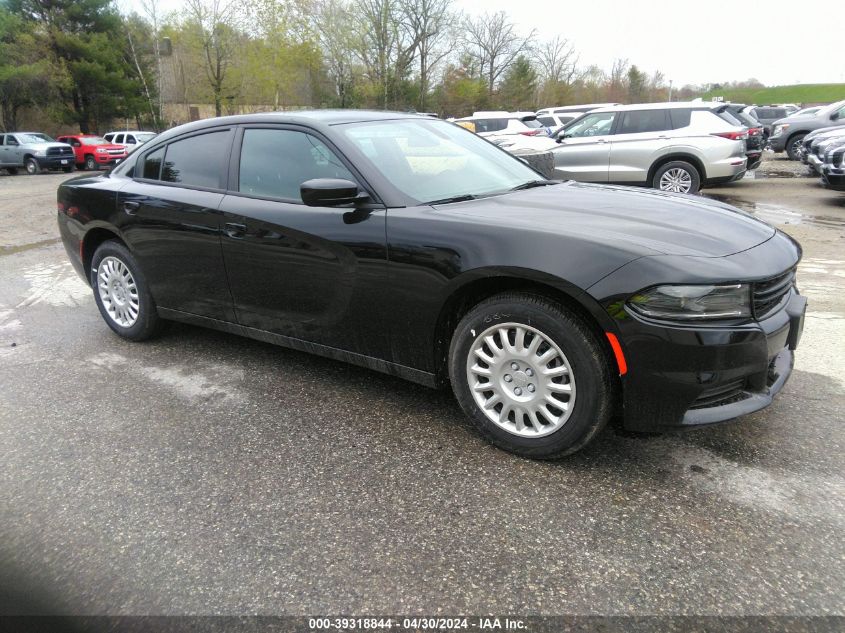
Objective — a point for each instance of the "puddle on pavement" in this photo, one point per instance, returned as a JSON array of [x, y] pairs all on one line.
[[12, 250], [773, 173], [777, 214]]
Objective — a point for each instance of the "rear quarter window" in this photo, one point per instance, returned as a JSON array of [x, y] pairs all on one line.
[[680, 118]]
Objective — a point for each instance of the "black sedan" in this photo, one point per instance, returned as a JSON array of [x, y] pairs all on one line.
[[412, 246]]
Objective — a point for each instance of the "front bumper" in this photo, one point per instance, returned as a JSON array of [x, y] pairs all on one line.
[[685, 376], [777, 143], [814, 163], [55, 162], [834, 177]]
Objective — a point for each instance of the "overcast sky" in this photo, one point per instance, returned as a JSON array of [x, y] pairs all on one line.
[[690, 41]]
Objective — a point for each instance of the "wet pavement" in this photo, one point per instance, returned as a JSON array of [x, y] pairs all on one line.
[[205, 473]]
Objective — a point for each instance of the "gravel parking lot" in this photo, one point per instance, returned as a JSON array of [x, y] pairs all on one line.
[[208, 474]]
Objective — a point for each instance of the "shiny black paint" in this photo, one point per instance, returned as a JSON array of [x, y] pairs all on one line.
[[380, 285]]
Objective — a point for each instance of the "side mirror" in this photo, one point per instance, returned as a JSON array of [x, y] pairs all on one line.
[[834, 116], [330, 192]]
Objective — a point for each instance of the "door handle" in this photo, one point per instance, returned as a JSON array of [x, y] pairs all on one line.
[[131, 207], [234, 230], [601, 140]]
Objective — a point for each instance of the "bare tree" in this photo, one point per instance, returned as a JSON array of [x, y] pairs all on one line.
[[336, 42], [427, 23], [556, 60], [216, 23], [493, 41], [618, 86], [151, 9]]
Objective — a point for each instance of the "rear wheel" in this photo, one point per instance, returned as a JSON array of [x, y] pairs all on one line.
[[677, 177], [13, 171], [793, 146], [32, 167], [530, 375], [122, 294], [90, 163]]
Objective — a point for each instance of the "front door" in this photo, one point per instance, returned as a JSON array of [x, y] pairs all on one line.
[[171, 221], [584, 149], [316, 274]]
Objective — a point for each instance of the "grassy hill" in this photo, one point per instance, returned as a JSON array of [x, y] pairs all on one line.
[[802, 93]]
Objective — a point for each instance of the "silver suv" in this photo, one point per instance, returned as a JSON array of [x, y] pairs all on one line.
[[34, 151], [677, 147]]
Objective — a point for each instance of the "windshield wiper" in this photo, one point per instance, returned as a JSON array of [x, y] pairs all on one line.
[[531, 184], [461, 198]]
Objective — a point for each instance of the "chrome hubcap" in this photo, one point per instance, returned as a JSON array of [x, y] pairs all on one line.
[[676, 180], [118, 292], [521, 380]]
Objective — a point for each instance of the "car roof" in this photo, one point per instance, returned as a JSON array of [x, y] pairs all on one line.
[[674, 105]]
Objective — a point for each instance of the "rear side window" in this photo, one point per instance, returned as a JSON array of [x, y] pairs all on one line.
[[196, 161], [532, 123], [643, 121], [152, 165], [490, 125], [274, 163], [680, 118]]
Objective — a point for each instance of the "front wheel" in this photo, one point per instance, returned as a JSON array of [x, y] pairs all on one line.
[[67, 168], [122, 294], [13, 171], [90, 163], [530, 375], [677, 177], [793, 146], [32, 167]]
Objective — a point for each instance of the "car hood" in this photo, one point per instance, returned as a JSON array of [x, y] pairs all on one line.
[[641, 220], [46, 144]]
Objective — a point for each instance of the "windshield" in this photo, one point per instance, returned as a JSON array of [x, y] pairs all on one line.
[[430, 160], [34, 138], [93, 140]]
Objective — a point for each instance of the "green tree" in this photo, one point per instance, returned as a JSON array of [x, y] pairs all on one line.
[[637, 85], [26, 78], [85, 40], [519, 87]]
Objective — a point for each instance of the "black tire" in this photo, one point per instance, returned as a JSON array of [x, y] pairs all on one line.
[[147, 324], [13, 171], [68, 168], [32, 167], [90, 163], [592, 371], [682, 166], [792, 145]]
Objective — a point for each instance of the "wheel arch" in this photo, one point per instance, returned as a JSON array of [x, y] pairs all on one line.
[[91, 242], [695, 161], [480, 286]]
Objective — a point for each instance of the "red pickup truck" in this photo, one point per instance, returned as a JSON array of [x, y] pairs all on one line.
[[94, 151]]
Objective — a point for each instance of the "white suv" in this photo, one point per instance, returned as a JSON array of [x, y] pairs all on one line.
[[131, 139], [675, 147], [513, 131]]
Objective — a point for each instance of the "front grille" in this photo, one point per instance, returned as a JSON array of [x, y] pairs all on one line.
[[769, 293], [818, 150], [837, 157], [720, 395], [117, 152], [59, 151]]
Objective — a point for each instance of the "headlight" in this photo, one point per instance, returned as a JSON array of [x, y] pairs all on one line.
[[779, 129], [693, 302], [101, 150], [40, 152]]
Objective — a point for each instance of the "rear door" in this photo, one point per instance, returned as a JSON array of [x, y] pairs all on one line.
[[315, 274], [639, 137], [584, 150], [171, 222]]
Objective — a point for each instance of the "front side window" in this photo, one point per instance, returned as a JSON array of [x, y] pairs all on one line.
[[196, 161], [274, 163], [11, 140], [152, 165], [430, 160], [643, 121], [598, 124]]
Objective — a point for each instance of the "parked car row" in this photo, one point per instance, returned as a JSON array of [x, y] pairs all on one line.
[[35, 152], [823, 151]]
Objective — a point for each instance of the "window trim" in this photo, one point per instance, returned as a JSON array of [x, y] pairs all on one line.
[[224, 171], [235, 163]]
